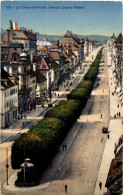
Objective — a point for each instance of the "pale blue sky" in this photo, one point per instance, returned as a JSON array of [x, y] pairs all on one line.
[[100, 18]]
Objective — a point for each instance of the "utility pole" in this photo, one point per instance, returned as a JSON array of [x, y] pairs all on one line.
[[7, 166]]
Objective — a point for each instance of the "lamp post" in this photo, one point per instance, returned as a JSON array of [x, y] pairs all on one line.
[[7, 166]]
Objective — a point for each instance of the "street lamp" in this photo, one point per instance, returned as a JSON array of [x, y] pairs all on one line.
[[7, 166]]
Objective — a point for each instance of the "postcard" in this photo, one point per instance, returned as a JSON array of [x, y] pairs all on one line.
[[61, 97]]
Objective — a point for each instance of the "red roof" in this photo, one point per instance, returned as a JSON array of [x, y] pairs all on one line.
[[43, 65], [55, 46], [45, 48], [55, 55]]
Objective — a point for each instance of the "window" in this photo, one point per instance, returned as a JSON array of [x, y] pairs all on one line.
[[44, 66], [15, 57]]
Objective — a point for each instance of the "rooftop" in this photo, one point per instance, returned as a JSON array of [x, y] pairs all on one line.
[[7, 80], [39, 76]]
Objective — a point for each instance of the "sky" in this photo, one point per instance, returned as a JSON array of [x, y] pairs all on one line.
[[56, 17]]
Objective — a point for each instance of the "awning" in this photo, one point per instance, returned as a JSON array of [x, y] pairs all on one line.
[[113, 68], [121, 98], [115, 81], [120, 94]]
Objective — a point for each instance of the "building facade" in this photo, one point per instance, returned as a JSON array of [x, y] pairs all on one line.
[[9, 99]]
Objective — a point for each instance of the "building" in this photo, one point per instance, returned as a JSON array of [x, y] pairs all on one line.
[[41, 86], [19, 66], [115, 58], [25, 36], [9, 99], [42, 43], [114, 180], [44, 51]]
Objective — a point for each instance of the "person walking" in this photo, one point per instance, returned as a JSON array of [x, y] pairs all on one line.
[[101, 116], [118, 105], [66, 187], [100, 185], [119, 113], [63, 147], [108, 136]]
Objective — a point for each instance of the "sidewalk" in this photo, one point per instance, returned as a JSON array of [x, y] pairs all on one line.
[[116, 130]]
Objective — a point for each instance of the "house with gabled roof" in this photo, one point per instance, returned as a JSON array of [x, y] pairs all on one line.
[[44, 51], [51, 70], [25, 36], [55, 56], [41, 86]]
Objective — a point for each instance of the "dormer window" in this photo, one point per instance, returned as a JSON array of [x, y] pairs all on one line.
[[44, 66]]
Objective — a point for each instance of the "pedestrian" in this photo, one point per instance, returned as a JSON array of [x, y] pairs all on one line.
[[119, 113], [101, 116], [100, 185], [58, 94], [118, 105], [23, 124], [108, 136], [66, 187], [66, 147], [63, 147], [55, 94]]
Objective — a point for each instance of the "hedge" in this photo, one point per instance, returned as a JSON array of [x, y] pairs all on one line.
[[88, 85], [42, 140], [66, 111], [79, 94]]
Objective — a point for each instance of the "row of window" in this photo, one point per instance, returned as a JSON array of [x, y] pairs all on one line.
[[8, 93], [10, 103]]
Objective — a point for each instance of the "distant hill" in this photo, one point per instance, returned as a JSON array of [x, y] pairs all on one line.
[[54, 38], [99, 38], [51, 38]]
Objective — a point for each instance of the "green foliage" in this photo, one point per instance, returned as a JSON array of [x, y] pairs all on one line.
[[30, 179], [65, 111], [80, 94], [88, 85]]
